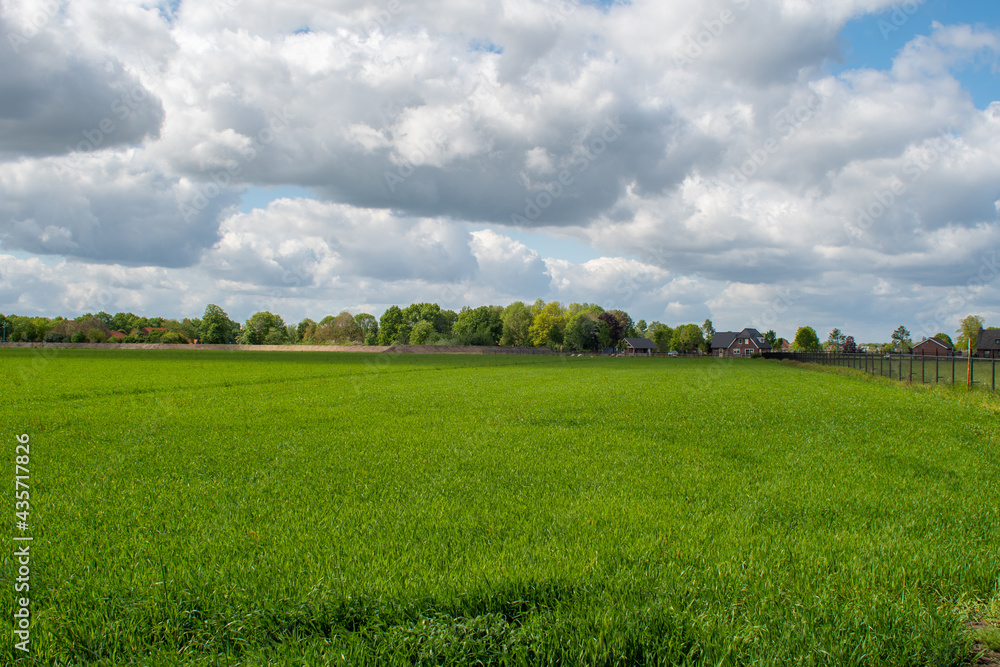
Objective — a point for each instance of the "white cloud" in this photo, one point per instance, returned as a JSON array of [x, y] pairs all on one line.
[[710, 167]]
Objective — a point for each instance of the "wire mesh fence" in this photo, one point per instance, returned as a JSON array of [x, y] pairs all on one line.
[[980, 372]]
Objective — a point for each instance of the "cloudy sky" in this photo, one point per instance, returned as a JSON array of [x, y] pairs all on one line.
[[768, 163]]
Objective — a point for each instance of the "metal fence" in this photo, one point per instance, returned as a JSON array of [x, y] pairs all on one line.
[[906, 367]]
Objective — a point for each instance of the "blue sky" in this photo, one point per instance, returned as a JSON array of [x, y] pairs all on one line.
[[873, 41]]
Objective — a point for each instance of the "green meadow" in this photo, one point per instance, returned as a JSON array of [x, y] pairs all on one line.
[[210, 508]]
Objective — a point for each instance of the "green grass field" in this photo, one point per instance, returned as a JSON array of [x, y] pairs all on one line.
[[203, 508]]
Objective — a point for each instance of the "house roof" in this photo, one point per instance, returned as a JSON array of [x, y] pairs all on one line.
[[725, 339], [640, 343], [938, 341], [116, 334], [988, 339]]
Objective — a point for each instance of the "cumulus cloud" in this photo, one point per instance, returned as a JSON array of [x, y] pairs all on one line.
[[715, 171]]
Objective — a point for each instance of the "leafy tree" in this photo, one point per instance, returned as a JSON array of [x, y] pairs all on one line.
[[708, 331], [771, 338], [393, 329], [369, 327], [517, 322], [548, 327], [969, 330], [849, 346], [662, 335], [687, 338], [345, 330], [216, 327], [901, 339], [479, 326], [640, 329], [583, 332], [305, 328], [264, 328], [836, 337], [618, 323], [421, 331], [806, 339]]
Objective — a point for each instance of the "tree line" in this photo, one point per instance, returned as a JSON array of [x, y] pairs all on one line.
[[901, 340], [578, 327]]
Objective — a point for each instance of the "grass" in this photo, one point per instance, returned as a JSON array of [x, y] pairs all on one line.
[[205, 508]]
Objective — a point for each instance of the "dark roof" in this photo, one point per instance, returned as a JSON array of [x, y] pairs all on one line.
[[988, 339], [640, 343], [725, 339], [942, 343]]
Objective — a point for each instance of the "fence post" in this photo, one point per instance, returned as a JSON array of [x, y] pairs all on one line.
[[953, 359], [922, 363]]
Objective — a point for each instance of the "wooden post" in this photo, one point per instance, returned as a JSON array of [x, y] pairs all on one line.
[[968, 376]]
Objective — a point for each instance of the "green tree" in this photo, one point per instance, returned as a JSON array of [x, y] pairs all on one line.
[[369, 327], [421, 331], [687, 338], [968, 331], [662, 335], [901, 339], [771, 338], [216, 327], [548, 326], [345, 330], [305, 328], [583, 332], [836, 337], [806, 340], [393, 329], [517, 322], [264, 328], [708, 331], [479, 326]]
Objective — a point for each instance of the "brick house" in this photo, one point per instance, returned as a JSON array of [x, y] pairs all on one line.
[[744, 343], [988, 343], [933, 347]]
